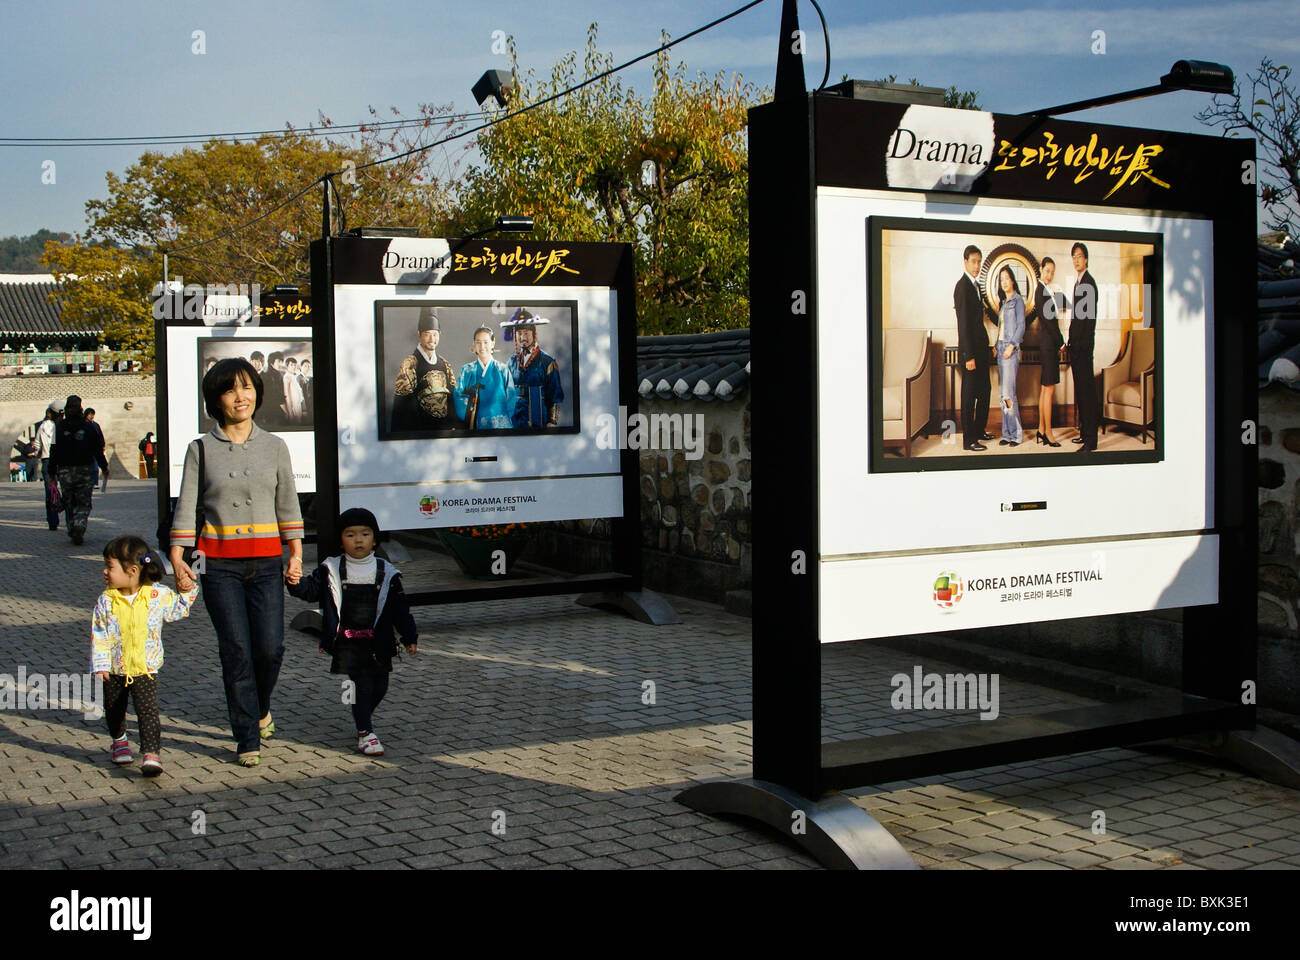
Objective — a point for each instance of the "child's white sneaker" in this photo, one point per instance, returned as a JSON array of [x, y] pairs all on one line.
[[369, 745]]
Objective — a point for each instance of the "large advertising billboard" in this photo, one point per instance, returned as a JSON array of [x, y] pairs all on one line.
[[1014, 409], [463, 403]]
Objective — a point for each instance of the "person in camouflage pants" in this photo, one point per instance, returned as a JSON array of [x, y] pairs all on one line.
[[77, 444], [76, 485]]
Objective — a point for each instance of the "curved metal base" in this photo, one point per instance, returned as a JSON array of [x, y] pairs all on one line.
[[836, 832], [644, 605], [1269, 755], [309, 621]]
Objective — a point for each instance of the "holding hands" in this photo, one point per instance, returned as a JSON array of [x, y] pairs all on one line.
[[184, 574], [293, 570]]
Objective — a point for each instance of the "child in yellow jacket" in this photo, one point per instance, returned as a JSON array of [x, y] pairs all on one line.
[[126, 647]]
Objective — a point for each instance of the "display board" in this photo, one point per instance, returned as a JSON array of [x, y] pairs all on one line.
[[1029, 532], [904, 487], [432, 433], [275, 336]]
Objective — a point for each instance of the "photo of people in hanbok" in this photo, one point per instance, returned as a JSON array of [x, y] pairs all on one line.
[[1013, 343], [459, 369], [287, 385]]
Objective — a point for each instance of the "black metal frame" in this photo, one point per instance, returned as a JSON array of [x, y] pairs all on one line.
[[1219, 644], [618, 263]]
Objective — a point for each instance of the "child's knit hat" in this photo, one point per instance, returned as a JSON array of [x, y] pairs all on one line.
[[358, 517]]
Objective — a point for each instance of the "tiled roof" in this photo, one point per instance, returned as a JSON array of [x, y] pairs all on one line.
[[25, 309], [700, 366], [1279, 313]]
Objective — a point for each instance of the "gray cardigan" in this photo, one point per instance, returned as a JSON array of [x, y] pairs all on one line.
[[250, 502]]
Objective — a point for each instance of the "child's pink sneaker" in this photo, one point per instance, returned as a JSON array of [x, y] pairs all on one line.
[[122, 751], [369, 745]]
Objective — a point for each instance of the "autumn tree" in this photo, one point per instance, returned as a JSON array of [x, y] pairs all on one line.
[[666, 173], [232, 194], [1271, 113]]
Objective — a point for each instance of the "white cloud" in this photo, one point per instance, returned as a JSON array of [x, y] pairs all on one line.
[[1261, 26]]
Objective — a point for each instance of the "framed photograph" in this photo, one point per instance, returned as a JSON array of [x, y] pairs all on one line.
[[455, 368], [288, 383], [998, 346]]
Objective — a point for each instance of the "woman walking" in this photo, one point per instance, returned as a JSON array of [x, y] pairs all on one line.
[[239, 505]]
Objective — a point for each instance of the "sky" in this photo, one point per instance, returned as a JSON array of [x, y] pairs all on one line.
[[129, 69]]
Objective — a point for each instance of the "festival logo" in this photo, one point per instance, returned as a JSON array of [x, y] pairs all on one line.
[[947, 591], [428, 506]]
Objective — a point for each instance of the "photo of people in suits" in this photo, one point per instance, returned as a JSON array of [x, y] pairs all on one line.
[[284, 407], [1018, 363]]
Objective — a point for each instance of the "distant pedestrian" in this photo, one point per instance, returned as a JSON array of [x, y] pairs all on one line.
[[76, 446], [364, 610], [44, 440], [149, 450], [126, 643], [94, 471]]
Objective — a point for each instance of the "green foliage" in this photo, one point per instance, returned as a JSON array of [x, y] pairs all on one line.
[[23, 254], [667, 174], [952, 97], [169, 201]]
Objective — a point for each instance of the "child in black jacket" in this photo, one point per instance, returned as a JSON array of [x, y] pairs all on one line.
[[364, 611]]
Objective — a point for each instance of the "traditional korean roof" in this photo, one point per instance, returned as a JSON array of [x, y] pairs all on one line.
[[1279, 311], [699, 366], [25, 309]]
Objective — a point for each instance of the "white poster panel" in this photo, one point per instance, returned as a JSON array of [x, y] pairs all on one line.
[[939, 592], [456, 476], [190, 350], [866, 515]]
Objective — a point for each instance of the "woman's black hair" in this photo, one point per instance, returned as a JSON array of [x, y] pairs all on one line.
[[72, 408], [221, 378], [130, 550], [1002, 294]]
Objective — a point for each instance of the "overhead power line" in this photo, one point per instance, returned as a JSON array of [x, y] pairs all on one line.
[[483, 126], [314, 130]]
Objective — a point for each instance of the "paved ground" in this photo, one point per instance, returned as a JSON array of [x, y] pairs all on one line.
[[530, 715]]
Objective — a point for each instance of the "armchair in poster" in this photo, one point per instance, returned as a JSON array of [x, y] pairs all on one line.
[[474, 399]]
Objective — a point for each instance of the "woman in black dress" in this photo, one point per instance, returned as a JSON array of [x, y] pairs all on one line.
[[1050, 343]]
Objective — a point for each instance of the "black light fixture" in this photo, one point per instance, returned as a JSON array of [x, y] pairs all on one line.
[[514, 224], [1200, 75], [494, 83]]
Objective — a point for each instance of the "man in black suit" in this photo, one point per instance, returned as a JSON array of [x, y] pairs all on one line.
[[973, 353], [1083, 336]]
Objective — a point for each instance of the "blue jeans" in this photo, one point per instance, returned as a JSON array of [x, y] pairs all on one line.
[[1008, 372], [245, 599]]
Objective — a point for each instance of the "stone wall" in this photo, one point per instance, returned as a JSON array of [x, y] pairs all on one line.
[[695, 506], [1279, 514], [23, 401]]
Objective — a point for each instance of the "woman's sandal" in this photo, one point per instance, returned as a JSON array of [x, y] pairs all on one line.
[[267, 732], [249, 759]]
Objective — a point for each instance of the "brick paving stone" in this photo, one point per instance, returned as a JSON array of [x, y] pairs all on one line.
[[586, 774]]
